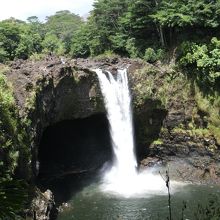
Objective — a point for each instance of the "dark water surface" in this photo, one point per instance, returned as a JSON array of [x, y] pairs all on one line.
[[92, 204]]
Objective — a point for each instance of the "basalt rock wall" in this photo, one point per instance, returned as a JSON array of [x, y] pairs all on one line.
[[53, 90]]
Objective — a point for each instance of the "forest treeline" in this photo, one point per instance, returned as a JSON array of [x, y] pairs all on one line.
[[149, 29]]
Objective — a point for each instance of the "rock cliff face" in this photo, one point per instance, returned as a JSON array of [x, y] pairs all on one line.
[[51, 91], [166, 119], [48, 92], [171, 127]]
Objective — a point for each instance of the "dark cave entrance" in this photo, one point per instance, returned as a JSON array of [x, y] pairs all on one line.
[[71, 153]]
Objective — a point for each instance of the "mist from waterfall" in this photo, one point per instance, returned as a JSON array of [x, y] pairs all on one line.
[[122, 178]]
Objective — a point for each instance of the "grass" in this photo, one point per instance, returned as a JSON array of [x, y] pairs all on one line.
[[157, 142], [108, 54], [163, 84], [37, 56], [210, 105], [30, 101], [216, 132]]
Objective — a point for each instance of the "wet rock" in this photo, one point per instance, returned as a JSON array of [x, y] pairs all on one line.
[[198, 169], [64, 206], [43, 206], [149, 162]]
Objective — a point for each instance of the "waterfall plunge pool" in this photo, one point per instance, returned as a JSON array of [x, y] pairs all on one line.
[[92, 204], [124, 194]]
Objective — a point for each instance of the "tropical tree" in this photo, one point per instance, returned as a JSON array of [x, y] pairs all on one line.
[[9, 40], [178, 18], [52, 43], [63, 24]]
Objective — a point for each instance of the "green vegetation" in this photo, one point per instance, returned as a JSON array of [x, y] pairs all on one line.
[[210, 105], [157, 142], [13, 150], [150, 85], [202, 60], [128, 28], [168, 85], [153, 30], [21, 40]]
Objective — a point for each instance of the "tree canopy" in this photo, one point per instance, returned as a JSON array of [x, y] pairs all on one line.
[[135, 28], [19, 39]]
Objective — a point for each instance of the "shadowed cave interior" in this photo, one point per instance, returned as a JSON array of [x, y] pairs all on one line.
[[71, 153]]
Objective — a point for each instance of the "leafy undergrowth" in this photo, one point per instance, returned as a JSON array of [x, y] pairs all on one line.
[[163, 83], [210, 105], [13, 148]]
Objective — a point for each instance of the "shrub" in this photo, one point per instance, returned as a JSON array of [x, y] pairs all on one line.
[[132, 48], [13, 197], [150, 55], [3, 55], [12, 146], [203, 60]]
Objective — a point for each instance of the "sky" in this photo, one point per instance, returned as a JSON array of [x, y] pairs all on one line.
[[22, 9]]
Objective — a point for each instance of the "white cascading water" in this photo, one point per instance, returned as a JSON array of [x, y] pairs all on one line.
[[122, 178]]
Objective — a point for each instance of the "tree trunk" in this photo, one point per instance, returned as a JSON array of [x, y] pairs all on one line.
[[162, 40], [160, 29]]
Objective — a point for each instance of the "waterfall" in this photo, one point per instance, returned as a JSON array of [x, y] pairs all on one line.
[[122, 178], [118, 105]]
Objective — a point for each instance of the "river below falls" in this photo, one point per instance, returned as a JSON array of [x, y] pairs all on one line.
[[92, 204]]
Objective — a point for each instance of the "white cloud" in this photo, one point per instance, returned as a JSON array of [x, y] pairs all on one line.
[[21, 9]]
